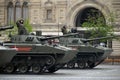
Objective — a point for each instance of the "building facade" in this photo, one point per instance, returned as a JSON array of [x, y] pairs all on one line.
[[51, 15]]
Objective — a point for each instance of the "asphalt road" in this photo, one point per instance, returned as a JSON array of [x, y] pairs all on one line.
[[101, 72]]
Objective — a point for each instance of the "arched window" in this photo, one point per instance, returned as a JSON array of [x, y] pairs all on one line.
[[18, 10], [49, 12], [25, 10], [10, 12]]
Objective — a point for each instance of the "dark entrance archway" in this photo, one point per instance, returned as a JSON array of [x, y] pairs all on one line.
[[86, 13]]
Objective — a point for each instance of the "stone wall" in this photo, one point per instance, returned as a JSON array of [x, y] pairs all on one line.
[[2, 13], [63, 11]]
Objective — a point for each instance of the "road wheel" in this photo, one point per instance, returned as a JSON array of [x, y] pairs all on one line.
[[71, 65], [36, 68], [23, 68], [9, 68], [81, 64], [50, 60]]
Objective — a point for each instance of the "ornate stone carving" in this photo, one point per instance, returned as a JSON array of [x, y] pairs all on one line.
[[48, 4]]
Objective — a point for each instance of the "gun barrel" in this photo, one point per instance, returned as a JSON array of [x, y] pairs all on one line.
[[6, 27], [101, 38], [66, 35]]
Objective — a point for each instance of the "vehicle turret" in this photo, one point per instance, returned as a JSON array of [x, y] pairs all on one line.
[[23, 35], [36, 39]]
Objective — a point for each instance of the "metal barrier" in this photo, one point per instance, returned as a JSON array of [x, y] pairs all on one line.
[[114, 59]]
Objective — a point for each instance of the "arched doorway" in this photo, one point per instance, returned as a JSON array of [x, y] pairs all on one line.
[[78, 14], [88, 13]]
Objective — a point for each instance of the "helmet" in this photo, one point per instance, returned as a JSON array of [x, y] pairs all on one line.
[[21, 21]]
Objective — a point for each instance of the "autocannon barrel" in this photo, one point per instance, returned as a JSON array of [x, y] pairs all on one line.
[[54, 37], [6, 27], [100, 38]]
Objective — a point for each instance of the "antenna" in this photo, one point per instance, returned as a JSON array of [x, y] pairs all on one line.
[[10, 20]]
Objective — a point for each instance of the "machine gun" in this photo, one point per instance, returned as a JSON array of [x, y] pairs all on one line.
[[6, 27]]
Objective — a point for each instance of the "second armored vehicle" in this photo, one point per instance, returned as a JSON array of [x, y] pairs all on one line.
[[88, 56]]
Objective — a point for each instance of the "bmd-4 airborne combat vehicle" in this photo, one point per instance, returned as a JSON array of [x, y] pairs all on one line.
[[88, 56], [35, 55]]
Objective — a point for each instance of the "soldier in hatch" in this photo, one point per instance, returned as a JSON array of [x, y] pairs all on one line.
[[64, 30], [21, 29]]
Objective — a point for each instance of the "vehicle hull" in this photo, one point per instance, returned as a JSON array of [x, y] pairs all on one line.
[[6, 55], [36, 53]]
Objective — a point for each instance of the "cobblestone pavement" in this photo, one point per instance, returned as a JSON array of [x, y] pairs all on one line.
[[101, 72]]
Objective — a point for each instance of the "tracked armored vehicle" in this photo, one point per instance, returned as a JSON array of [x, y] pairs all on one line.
[[88, 56], [35, 55]]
